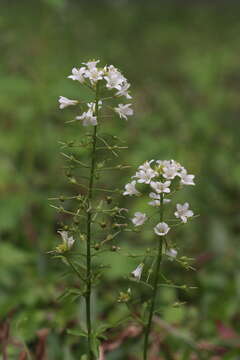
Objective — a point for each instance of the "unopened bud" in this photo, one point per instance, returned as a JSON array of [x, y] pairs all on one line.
[[82, 237], [103, 224], [72, 180], [109, 199], [109, 237]]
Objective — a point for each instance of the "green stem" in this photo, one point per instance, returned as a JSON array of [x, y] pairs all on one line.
[[89, 224], [155, 288]]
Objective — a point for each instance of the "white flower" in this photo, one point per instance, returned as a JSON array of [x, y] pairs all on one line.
[[124, 110], [146, 166], [170, 172], [94, 74], [92, 106], [145, 176], [172, 253], [130, 189], [138, 271], [87, 118], [154, 203], [139, 219], [183, 212], [114, 78], [91, 64], [161, 229], [186, 179], [123, 90], [68, 241], [161, 187], [156, 199], [65, 102], [163, 162], [78, 74]]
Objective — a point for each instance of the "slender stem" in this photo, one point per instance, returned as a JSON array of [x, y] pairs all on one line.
[[89, 223], [155, 287], [74, 268]]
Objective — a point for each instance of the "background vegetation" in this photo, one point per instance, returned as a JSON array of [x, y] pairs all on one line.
[[182, 60]]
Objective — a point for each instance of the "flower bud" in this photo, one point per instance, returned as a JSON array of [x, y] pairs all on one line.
[[72, 180], [109, 237], [103, 224], [108, 199], [82, 237]]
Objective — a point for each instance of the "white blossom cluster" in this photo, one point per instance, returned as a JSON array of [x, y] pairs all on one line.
[[163, 177], [112, 78]]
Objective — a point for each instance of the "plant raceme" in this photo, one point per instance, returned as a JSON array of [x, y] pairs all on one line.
[[163, 178], [89, 208], [160, 179]]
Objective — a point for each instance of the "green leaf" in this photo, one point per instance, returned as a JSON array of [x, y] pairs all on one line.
[[100, 330], [77, 332], [95, 345]]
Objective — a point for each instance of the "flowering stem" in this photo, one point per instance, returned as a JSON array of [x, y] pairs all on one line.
[[89, 223], [155, 287]]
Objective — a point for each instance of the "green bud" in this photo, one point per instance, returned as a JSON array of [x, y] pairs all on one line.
[[72, 180], [82, 237], [109, 199], [109, 237]]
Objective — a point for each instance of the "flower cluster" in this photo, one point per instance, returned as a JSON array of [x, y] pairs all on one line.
[[163, 177], [90, 74]]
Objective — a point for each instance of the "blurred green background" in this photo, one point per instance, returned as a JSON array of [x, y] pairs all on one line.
[[182, 59]]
